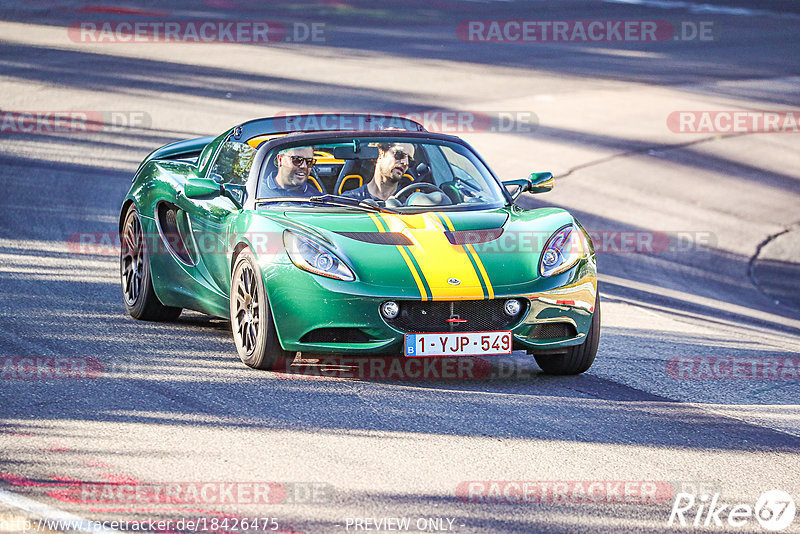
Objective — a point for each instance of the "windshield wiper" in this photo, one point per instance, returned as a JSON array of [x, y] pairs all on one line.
[[338, 200], [331, 200]]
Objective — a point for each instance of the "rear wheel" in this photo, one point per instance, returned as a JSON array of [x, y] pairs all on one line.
[[137, 286], [251, 318], [579, 358]]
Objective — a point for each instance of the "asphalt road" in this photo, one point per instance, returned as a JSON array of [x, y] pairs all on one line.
[[170, 405]]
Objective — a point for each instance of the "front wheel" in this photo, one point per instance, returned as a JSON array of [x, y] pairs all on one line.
[[134, 265], [579, 358], [251, 318]]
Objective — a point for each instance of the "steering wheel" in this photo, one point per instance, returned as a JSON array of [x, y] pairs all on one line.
[[407, 190]]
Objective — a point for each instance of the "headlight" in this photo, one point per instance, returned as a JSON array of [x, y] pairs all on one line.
[[562, 251], [313, 257]]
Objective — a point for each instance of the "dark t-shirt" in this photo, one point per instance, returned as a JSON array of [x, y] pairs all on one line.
[[274, 190], [361, 193]]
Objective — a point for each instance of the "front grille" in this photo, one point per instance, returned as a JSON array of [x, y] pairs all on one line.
[[432, 316], [552, 331], [335, 335]]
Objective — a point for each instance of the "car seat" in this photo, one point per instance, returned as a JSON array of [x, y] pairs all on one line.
[[357, 172]]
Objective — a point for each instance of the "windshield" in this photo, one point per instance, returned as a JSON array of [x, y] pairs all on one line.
[[402, 174]]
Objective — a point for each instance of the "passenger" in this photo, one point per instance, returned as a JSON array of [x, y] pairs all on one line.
[[392, 163], [291, 177]]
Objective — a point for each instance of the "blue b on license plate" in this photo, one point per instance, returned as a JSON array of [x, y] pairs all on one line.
[[457, 344]]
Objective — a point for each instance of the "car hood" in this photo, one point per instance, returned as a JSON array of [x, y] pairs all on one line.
[[441, 255]]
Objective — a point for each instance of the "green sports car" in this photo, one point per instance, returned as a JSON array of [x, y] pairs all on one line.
[[360, 235]]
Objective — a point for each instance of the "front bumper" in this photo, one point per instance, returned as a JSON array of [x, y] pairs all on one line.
[[321, 315]]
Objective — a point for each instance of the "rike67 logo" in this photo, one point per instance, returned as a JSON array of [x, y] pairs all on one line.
[[774, 510]]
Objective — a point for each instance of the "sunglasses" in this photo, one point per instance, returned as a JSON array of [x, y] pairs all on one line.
[[399, 154], [298, 160]]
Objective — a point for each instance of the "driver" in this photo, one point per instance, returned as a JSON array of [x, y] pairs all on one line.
[[392, 163], [291, 177]]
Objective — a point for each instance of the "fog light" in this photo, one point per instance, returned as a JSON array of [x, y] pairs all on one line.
[[390, 309], [512, 307]]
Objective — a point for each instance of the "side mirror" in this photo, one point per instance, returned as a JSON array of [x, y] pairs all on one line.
[[537, 182], [541, 182], [235, 192], [201, 187]]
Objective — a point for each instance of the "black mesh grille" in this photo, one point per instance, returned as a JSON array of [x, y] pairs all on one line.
[[379, 238], [473, 237], [335, 335], [553, 331], [468, 315]]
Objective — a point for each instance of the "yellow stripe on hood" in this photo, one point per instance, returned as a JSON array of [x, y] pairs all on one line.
[[476, 259], [414, 273], [437, 258]]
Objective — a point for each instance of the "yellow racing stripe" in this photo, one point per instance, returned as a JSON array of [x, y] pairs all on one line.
[[377, 222], [424, 294], [476, 259], [420, 285], [448, 222], [438, 259], [482, 269]]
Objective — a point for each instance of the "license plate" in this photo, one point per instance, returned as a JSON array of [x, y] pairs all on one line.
[[458, 344]]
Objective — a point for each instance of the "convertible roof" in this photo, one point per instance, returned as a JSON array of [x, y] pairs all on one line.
[[270, 127], [306, 137], [324, 122]]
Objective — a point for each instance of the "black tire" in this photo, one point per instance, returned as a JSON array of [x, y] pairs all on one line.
[[134, 268], [251, 317], [580, 357]]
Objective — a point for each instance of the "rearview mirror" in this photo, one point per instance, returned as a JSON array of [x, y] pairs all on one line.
[[537, 182], [201, 187]]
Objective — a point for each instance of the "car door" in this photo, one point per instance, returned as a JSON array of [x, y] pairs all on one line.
[[211, 218], [195, 231]]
